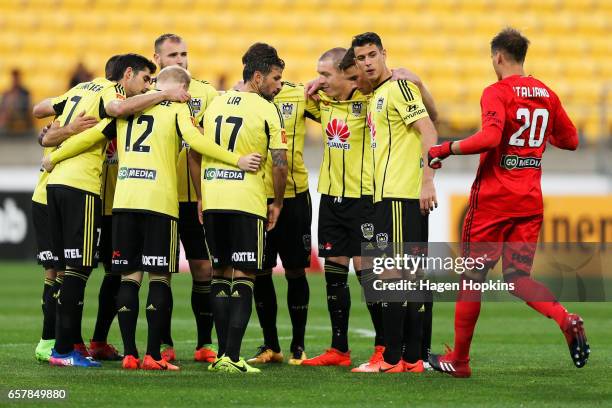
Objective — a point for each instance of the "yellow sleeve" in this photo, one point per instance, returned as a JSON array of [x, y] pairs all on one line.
[[203, 145], [59, 102], [312, 110], [79, 143], [275, 128], [406, 99], [110, 94]]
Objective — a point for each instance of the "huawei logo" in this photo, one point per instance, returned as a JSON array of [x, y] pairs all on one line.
[[337, 134]]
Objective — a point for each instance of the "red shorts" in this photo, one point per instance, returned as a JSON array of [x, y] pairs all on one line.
[[492, 236]]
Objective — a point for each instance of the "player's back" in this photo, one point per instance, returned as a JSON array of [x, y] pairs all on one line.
[[148, 145], [242, 122], [529, 114], [83, 171]]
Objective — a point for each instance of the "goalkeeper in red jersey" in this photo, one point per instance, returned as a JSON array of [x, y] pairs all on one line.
[[520, 114]]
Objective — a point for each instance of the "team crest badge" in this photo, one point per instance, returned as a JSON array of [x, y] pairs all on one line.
[[196, 105], [367, 230], [287, 110], [382, 239], [356, 108], [379, 104]]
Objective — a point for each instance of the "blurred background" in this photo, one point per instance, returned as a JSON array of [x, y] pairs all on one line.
[[46, 46]]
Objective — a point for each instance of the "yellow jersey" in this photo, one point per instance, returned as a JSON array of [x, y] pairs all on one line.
[[294, 108], [346, 169], [40, 191], [241, 122], [147, 145], [83, 171], [398, 162], [202, 93], [108, 177]]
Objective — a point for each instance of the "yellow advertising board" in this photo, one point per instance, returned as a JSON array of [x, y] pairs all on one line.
[[567, 218]]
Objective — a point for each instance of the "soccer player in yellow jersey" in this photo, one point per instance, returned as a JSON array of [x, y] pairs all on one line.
[[50, 137], [234, 203], [73, 191], [346, 211], [402, 133], [171, 49], [353, 73], [290, 239], [145, 206]]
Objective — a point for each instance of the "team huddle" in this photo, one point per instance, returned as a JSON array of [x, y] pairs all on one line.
[[134, 165]]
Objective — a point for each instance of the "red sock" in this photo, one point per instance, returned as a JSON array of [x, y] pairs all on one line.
[[467, 310], [540, 298]]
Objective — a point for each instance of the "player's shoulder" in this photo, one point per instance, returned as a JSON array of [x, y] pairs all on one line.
[[290, 91], [201, 87], [403, 90]]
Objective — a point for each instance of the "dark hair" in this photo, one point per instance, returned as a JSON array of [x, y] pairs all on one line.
[[109, 69], [260, 57], [512, 42], [135, 61], [348, 60], [162, 38], [367, 38]]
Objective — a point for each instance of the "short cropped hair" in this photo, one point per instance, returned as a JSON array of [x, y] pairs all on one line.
[[176, 74], [512, 42], [260, 57], [335, 54], [367, 38], [168, 36]]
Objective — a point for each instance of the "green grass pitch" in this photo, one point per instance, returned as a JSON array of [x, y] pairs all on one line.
[[519, 359]]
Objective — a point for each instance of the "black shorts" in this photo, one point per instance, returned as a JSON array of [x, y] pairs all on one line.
[[106, 241], [290, 238], [144, 241], [235, 239], [74, 221], [40, 219], [399, 221], [344, 224], [191, 231]]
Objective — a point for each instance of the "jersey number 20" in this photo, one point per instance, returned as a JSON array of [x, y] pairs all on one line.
[[531, 123]]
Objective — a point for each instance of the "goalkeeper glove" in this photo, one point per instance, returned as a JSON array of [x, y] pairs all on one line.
[[438, 153]]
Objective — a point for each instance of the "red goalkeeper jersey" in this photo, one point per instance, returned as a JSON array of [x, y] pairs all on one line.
[[519, 116]]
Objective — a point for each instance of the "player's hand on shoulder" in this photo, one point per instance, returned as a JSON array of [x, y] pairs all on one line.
[[273, 213], [250, 162], [311, 89], [437, 153], [81, 123], [404, 74], [428, 200], [177, 95], [46, 164]]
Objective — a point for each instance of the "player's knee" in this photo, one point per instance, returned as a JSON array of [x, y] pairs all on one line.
[[335, 273], [511, 276]]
